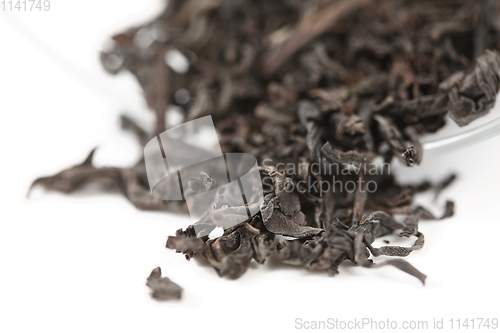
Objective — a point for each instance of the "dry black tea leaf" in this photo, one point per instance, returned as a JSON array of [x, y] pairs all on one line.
[[162, 288], [444, 184], [474, 92]]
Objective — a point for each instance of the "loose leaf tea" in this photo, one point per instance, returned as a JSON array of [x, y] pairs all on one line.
[[316, 90], [162, 288]]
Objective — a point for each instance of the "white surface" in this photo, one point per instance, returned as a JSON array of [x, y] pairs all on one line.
[[79, 263]]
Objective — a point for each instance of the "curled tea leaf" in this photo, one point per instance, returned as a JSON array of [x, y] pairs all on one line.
[[474, 93]]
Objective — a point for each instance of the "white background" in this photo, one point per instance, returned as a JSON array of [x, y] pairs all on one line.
[[79, 263]]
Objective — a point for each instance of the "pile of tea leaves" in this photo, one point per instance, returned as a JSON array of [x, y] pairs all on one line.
[[336, 83]]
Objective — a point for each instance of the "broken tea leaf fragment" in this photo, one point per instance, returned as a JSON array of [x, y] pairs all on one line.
[[162, 289]]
